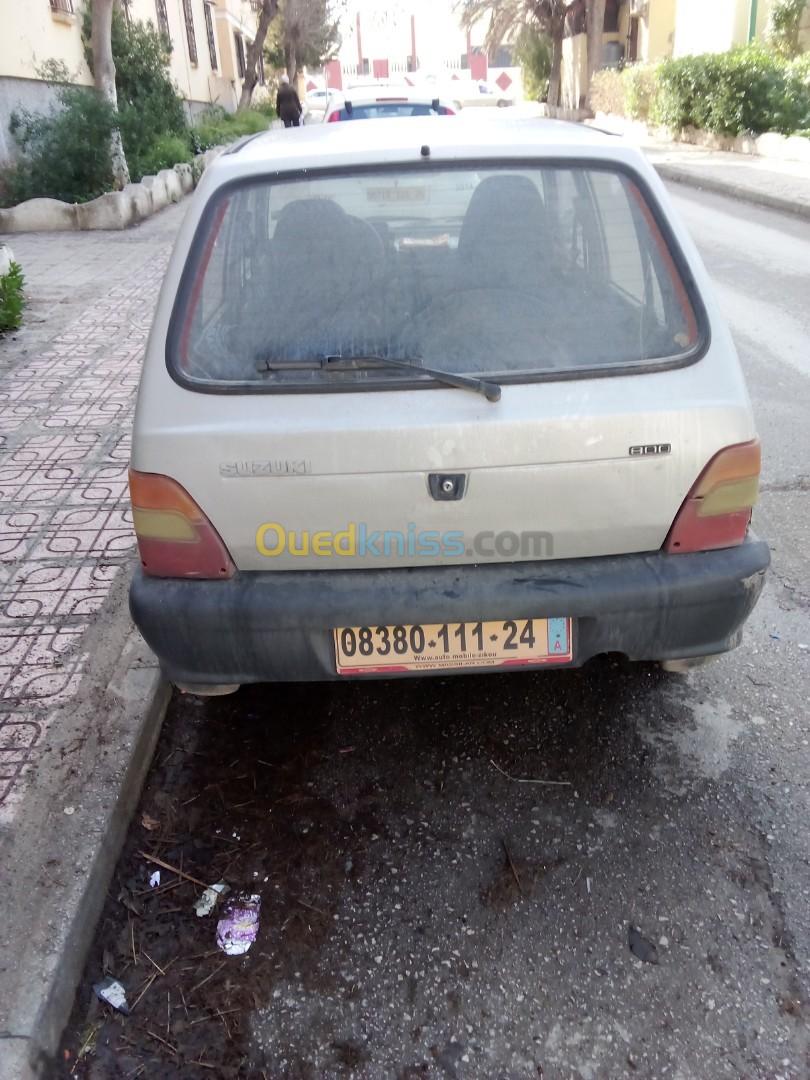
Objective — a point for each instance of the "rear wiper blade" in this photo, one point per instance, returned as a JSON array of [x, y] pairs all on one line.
[[490, 390]]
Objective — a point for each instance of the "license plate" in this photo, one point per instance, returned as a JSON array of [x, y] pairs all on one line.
[[428, 646]]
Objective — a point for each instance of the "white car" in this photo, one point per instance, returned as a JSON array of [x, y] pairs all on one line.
[[385, 101], [476, 94], [452, 398], [316, 103]]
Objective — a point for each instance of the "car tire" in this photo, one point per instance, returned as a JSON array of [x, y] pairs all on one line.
[[502, 104]]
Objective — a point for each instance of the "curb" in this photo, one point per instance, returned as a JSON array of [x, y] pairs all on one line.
[[62, 922], [114, 209], [689, 177]]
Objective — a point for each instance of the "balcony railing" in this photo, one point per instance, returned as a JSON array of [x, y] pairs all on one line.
[[65, 6]]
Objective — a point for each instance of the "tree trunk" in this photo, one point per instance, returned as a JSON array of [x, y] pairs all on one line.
[[595, 22], [556, 31], [291, 61], [254, 52], [104, 75]]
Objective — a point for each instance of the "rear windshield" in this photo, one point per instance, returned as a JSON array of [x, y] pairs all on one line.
[[517, 273], [378, 110]]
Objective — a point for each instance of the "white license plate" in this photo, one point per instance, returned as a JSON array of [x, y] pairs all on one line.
[[430, 646]]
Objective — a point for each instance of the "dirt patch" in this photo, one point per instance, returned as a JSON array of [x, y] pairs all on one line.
[[231, 797]]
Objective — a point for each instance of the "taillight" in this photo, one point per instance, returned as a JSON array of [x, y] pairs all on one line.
[[333, 117], [175, 538], [717, 511], [445, 110]]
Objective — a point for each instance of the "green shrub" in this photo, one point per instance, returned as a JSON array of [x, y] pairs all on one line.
[[149, 105], [746, 89], [533, 53], [12, 300], [640, 82], [266, 107], [65, 152], [215, 127], [165, 152], [607, 92]]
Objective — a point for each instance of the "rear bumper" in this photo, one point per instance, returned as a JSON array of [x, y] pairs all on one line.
[[276, 626]]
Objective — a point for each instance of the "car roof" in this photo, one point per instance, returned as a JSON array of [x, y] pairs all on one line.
[[402, 139]]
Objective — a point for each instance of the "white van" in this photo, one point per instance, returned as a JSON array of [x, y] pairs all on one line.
[[456, 397]]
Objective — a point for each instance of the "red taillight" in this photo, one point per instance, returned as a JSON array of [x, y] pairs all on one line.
[[445, 110], [717, 511], [175, 538], [333, 117]]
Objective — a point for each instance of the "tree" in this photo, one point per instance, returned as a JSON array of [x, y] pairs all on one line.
[[533, 53], [150, 107], [508, 17], [104, 76], [784, 21], [594, 27], [307, 33], [268, 12]]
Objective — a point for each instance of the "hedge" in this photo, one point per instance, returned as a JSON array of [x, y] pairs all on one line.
[[750, 89]]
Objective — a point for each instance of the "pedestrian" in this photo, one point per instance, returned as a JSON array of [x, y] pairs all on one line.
[[288, 106]]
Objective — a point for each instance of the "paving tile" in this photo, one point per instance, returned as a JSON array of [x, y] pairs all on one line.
[[67, 390]]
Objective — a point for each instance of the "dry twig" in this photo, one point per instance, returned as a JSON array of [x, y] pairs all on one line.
[[173, 869], [207, 977], [513, 868], [523, 780]]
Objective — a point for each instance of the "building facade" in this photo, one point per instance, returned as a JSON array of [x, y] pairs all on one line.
[[208, 38], [642, 31]]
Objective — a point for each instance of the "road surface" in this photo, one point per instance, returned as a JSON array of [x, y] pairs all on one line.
[[425, 915]]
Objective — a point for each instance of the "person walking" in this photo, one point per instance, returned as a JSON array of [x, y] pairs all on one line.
[[288, 106]]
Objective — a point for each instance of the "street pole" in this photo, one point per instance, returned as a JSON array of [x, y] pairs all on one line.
[[752, 21]]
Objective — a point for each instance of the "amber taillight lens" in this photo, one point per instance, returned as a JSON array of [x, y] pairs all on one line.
[[717, 511], [175, 538]]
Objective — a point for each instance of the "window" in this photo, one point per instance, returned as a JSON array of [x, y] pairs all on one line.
[[188, 15], [510, 272], [611, 24], [65, 6], [209, 32], [381, 110], [502, 57], [239, 45], [162, 18]]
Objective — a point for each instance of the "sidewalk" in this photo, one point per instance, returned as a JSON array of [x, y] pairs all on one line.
[[779, 185], [76, 685]]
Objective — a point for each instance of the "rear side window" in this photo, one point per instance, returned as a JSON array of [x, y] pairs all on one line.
[[518, 273]]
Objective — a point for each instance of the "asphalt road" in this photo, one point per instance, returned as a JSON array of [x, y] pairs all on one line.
[[425, 915]]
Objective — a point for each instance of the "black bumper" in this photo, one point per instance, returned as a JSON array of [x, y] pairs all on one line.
[[276, 626]]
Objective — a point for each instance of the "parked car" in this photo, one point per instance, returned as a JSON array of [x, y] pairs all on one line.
[[379, 102], [457, 398], [316, 103], [476, 94]]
